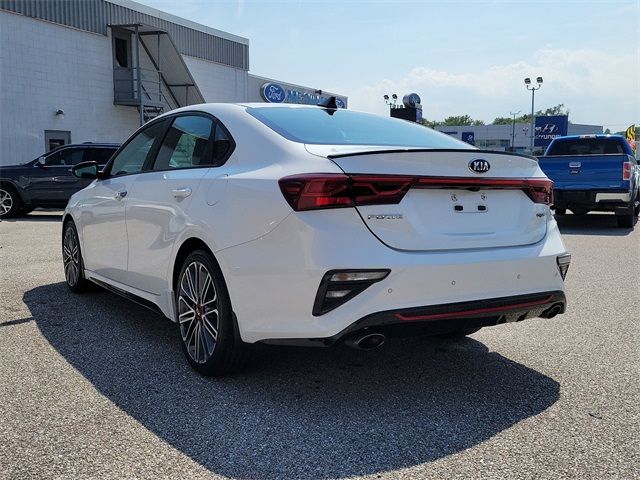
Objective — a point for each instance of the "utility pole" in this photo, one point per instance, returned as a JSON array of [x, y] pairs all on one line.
[[513, 130]]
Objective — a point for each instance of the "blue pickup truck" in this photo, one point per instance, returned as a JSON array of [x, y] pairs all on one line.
[[594, 173]]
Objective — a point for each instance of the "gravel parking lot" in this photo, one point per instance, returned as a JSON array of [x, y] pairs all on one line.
[[94, 386]]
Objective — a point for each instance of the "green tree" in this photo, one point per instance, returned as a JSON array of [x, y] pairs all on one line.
[[559, 109]]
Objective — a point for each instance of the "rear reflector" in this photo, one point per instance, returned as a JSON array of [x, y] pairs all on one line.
[[626, 170], [317, 191], [339, 286], [563, 262]]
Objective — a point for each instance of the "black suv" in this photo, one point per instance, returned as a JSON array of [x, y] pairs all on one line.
[[47, 181]]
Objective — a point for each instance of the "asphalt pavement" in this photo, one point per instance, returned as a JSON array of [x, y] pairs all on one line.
[[92, 386]]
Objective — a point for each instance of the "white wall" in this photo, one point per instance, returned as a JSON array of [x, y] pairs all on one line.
[[45, 67], [218, 83]]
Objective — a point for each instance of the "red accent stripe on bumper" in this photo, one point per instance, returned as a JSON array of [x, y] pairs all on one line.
[[466, 313]]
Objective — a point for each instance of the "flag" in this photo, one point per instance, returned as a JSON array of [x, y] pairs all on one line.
[[631, 137]]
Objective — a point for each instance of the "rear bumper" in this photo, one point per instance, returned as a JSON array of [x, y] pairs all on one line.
[[447, 318], [606, 200], [273, 281]]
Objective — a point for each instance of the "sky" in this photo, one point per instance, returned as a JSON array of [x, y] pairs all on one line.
[[461, 57]]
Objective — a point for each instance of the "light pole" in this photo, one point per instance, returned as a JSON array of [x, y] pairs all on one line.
[[513, 130], [530, 86]]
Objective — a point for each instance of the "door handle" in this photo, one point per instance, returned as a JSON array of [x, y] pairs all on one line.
[[181, 192], [120, 195]]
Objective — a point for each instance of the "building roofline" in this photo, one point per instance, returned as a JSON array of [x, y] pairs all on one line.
[[139, 7]]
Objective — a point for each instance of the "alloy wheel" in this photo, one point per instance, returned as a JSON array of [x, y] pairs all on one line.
[[6, 202], [71, 257], [198, 312]]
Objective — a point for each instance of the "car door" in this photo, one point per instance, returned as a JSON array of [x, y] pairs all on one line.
[[102, 205], [52, 183], [159, 200]]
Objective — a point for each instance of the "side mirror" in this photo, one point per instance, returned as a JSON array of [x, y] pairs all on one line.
[[86, 170], [41, 161]]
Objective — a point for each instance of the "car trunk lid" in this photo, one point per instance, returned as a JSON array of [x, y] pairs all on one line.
[[455, 199]]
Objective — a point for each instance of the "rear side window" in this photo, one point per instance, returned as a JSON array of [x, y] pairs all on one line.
[[186, 144], [586, 146], [316, 125], [100, 155]]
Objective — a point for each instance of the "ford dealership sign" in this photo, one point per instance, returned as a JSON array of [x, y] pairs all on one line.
[[273, 93]]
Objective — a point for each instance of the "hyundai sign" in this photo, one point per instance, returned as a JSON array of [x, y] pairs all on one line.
[[469, 137], [548, 128], [275, 93]]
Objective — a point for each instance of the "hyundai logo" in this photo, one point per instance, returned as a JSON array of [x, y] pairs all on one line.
[[479, 165]]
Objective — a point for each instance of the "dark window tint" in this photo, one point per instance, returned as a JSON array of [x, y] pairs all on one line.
[[586, 146], [121, 47], [132, 157], [100, 155], [69, 156], [222, 144], [343, 127], [186, 144]]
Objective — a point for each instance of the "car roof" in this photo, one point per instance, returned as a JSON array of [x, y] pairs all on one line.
[[86, 145], [589, 135]]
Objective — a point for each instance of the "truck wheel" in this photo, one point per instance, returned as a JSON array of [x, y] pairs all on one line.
[[626, 220], [560, 211], [10, 202]]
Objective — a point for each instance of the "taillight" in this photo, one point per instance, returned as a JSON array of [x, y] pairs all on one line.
[[316, 191], [332, 190], [626, 170]]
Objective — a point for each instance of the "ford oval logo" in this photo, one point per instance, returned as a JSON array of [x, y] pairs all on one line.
[[479, 165], [273, 93]]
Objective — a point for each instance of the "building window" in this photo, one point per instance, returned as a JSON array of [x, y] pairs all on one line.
[[121, 49]]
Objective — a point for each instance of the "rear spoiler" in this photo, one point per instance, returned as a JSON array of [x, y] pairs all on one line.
[[412, 150]]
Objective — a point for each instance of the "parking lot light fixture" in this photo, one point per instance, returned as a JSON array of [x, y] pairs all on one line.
[[533, 88]]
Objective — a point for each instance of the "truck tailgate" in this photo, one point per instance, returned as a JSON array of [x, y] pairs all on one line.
[[584, 172]]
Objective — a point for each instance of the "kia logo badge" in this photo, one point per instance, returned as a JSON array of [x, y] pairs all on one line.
[[479, 165]]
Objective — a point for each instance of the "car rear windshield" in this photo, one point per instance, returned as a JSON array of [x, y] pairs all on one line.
[[586, 146], [315, 125]]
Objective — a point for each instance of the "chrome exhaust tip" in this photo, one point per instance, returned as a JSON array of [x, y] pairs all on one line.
[[366, 341], [552, 312]]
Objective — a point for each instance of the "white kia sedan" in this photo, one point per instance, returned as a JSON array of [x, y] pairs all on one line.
[[312, 225]]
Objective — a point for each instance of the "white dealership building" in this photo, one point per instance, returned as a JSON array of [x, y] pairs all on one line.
[[75, 71]]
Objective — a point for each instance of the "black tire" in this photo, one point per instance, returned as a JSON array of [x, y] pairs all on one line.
[[72, 260], [463, 332], [626, 220], [206, 326], [560, 211], [10, 201]]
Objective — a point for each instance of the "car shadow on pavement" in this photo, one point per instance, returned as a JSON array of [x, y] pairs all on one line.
[[36, 217], [295, 412], [591, 224]]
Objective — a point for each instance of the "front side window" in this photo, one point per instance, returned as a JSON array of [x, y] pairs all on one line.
[[314, 125], [186, 144], [69, 156], [132, 157]]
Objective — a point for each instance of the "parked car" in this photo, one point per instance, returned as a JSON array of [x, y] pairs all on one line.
[[47, 181], [594, 173], [312, 225]]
